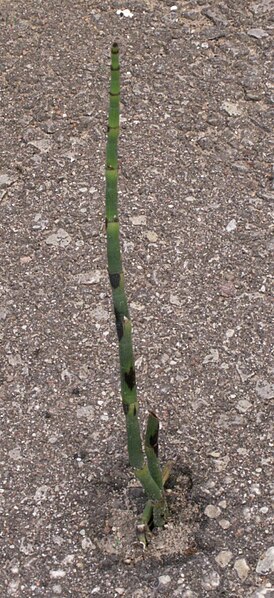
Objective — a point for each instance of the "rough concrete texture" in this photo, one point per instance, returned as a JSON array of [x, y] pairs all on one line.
[[195, 208]]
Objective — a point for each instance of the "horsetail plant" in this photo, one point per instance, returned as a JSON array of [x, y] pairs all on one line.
[[145, 463]]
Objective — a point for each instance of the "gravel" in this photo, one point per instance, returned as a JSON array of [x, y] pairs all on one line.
[[196, 199]]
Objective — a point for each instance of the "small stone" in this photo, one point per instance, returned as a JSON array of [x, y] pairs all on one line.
[[266, 562], [91, 277], [212, 511], [164, 580], [3, 313], [25, 259], [214, 454], [6, 180], [223, 558], [264, 592], [222, 463], [174, 300], [15, 359], [57, 589], [68, 560], [100, 314], [43, 145], [265, 389], [190, 199], [227, 289], [119, 591], [55, 573], [242, 568], [26, 548], [13, 586], [41, 493], [212, 357], [59, 239], [124, 13], [189, 594], [261, 6], [15, 453], [211, 580], [86, 411], [151, 236], [258, 33], [138, 220], [255, 490], [232, 225], [222, 504], [87, 544], [231, 108], [243, 405], [224, 523]]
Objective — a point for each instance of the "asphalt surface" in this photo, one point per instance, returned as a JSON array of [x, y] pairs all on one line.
[[196, 198]]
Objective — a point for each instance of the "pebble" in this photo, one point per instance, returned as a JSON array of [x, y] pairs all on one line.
[[242, 568], [99, 314], [211, 580], [189, 594], [223, 558], [224, 523], [255, 490], [86, 411], [263, 592], [243, 405], [266, 562], [43, 145], [265, 389], [55, 573], [59, 239], [6, 180], [151, 236], [232, 109], [91, 277], [124, 13], [41, 493], [87, 544], [138, 220], [212, 357], [222, 463], [13, 586], [15, 453], [258, 33], [214, 454], [3, 313], [164, 580], [232, 225], [174, 300], [212, 511], [57, 589]]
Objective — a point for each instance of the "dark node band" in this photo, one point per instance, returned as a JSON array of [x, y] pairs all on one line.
[[119, 325], [130, 378], [114, 279], [153, 442], [125, 408]]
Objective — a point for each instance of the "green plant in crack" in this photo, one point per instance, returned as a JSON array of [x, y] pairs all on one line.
[[143, 460]]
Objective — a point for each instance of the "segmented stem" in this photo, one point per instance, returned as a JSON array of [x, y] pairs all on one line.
[[147, 472]]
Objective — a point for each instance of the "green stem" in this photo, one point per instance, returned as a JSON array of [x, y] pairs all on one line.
[[149, 474], [151, 449]]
